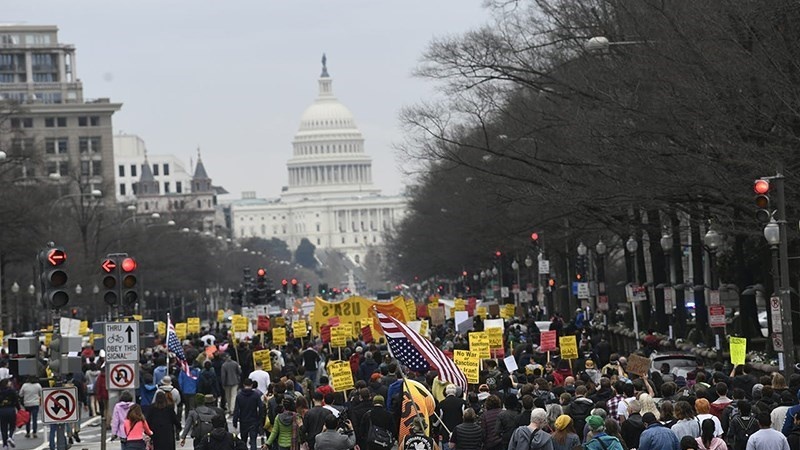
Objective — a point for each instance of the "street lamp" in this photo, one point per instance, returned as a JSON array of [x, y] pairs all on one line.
[[601, 43], [15, 287], [582, 250], [772, 233], [515, 268], [631, 245], [600, 249]]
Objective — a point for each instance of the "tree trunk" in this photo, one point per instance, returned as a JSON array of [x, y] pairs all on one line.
[[698, 276], [653, 230], [677, 263]]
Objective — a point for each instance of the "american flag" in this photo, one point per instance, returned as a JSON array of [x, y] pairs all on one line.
[[417, 353], [174, 346]]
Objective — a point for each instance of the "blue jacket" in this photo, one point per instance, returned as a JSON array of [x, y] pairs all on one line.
[[611, 443], [249, 409], [788, 423], [159, 373], [147, 393], [188, 384], [658, 437]]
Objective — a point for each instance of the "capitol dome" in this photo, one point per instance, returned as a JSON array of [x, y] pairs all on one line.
[[328, 155]]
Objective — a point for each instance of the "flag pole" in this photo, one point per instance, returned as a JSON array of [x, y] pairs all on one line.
[[169, 323]]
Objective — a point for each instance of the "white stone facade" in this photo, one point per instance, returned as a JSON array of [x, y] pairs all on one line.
[[129, 155]]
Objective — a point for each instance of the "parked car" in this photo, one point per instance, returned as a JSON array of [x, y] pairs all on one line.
[[679, 363]]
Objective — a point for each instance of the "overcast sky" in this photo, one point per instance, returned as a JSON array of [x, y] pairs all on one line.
[[235, 76]]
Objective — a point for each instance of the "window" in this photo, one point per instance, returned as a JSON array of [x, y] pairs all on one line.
[[200, 205], [135, 188], [121, 170], [61, 122], [166, 169], [343, 240], [89, 144], [317, 227], [52, 167], [85, 168], [178, 187], [97, 168], [83, 121], [133, 170], [25, 122], [63, 169], [155, 169], [94, 121], [122, 188], [318, 241], [49, 122], [166, 187]]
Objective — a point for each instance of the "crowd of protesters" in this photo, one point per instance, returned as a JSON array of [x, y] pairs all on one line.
[[592, 402]]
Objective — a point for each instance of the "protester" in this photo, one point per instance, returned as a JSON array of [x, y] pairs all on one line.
[[766, 438], [564, 437], [9, 403], [163, 422], [656, 436], [31, 393], [136, 429], [248, 411], [200, 420], [530, 437]]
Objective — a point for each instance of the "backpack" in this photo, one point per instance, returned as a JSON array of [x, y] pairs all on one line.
[[203, 426], [743, 433], [378, 436], [207, 382]]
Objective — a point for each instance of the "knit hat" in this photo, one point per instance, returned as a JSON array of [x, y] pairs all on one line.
[[375, 377], [595, 422], [378, 400], [563, 422]]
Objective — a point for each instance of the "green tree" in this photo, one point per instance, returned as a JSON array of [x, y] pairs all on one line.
[[304, 255]]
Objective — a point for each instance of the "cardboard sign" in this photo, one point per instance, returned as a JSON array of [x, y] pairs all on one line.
[[422, 310], [738, 350], [262, 324], [437, 316], [638, 365], [469, 363], [325, 333], [547, 340], [366, 334], [479, 343], [193, 325], [423, 328], [264, 357], [481, 311], [299, 328], [279, 336], [280, 321], [341, 376], [339, 335], [569, 347]]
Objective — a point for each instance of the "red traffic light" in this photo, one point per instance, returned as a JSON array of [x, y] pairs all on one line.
[[284, 282], [552, 282], [108, 265], [761, 187], [56, 257], [464, 273], [294, 281], [535, 236], [128, 265], [497, 253], [261, 272]]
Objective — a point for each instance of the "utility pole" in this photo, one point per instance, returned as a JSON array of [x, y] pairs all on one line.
[[784, 293]]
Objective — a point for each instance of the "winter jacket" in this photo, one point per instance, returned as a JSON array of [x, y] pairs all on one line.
[[231, 373], [506, 424], [118, 418], [658, 437], [313, 422], [159, 373], [249, 408], [609, 443], [489, 426], [368, 367], [794, 438], [147, 392], [218, 439], [579, 410], [9, 398], [632, 429], [282, 429], [521, 440], [188, 384], [31, 394]]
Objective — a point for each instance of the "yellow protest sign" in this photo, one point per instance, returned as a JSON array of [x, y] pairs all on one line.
[[434, 301], [279, 336], [341, 375], [2, 335], [220, 315], [479, 343], [481, 311], [469, 363], [738, 350], [495, 337], [162, 328], [137, 317], [84, 327], [460, 305], [239, 324], [47, 338], [193, 325], [339, 335], [280, 321], [300, 328], [264, 357], [568, 346], [411, 309], [180, 330], [423, 327], [507, 312]]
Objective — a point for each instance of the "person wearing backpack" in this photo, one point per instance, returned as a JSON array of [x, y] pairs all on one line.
[[600, 440], [531, 436], [219, 438], [743, 425], [376, 428], [286, 428], [207, 381], [199, 422]]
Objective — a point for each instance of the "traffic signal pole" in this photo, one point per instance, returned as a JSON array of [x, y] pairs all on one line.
[[785, 292]]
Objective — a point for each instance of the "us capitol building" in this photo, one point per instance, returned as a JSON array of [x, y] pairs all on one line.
[[330, 199]]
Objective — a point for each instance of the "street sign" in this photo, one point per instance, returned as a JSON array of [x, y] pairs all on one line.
[[777, 342], [775, 312], [583, 291], [716, 316], [123, 375], [544, 267], [60, 405], [602, 303], [636, 293], [504, 292], [122, 341], [713, 297]]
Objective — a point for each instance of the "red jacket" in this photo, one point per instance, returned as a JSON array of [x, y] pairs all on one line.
[[100, 389]]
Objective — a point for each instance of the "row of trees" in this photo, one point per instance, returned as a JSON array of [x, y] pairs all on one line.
[[604, 119]]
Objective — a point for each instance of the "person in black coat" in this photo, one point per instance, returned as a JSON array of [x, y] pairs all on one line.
[[314, 420], [249, 411], [164, 422], [379, 417]]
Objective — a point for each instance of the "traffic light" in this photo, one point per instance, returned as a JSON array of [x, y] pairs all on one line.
[[261, 285], [581, 267], [306, 290], [237, 297], [111, 282], [763, 212], [130, 282], [54, 277], [74, 312], [54, 362], [551, 283], [285, 286], [295, 287], [322, 290]]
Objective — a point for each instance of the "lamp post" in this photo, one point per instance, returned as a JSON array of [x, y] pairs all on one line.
[[582, 252], [602, 299], [475, 285], [631, 245], [15, 291], [530, 283], [494, 273], [669, 294], [712, 241], [515, 267], [772, 233]]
